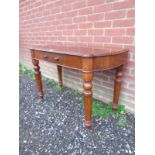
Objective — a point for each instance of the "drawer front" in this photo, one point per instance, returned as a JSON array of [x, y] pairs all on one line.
[[50, 57], [61, 59]]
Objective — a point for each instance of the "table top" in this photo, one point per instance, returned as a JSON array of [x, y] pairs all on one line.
[[80, 51]]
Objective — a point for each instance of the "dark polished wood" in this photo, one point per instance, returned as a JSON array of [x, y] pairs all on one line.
[[86, 60], [117, 86], [59, 69], [38, 76], [87, 67]]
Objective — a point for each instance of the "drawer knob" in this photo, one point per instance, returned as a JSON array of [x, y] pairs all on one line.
[[56, 58], [45, 56]]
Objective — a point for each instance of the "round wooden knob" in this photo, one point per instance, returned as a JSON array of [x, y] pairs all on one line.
[[56, 58], [45, 56]]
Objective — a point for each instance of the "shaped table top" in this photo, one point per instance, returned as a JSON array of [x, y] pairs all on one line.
[[80, 51]]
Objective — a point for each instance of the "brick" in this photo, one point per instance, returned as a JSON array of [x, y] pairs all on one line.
[[52, 28], [113, 46], [37, 4], [79, 19], [69, 1], [67, 32], [71, 14], [103, 24], [60, 16], [95, 17], [130, 47], [59, 3], [132, 72], [55, 10], [85, 11], [62, 38], [124, 4], [85, 25], [66, 8], [72, 26], [95, 2], [114, 32], [131, 13], [81, 44], [123, 40], [124, 23], [72, 38], [132, 86], [79, 4], [48, 6], [58, 33], [115, 15], [130, 31], [80, 32], [86, 39], [57, 22], [46, 13], [102, 39], [95, 32], [128, 91], [103, 8], [133, 56], [129, 56], [131, 64], [69, 44], [95, 44], [67, 21]]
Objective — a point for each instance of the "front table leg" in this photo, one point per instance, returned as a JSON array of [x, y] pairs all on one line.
[[87, 85], [59, 69], [38, 77], [117, 87]]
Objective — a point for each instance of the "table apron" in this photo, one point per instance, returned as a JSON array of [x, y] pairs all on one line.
[[77, 62]]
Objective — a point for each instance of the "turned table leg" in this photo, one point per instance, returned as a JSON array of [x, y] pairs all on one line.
[[87, 85], [87, 74], [59, 69], [117, 86], [38, 77]]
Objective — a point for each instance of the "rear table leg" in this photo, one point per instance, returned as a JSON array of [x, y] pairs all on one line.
[[59, 69], [117, 87]]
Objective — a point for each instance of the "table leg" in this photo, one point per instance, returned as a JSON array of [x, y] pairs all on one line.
[[38, 77], [87, 85], [59, 69], [117, 86]]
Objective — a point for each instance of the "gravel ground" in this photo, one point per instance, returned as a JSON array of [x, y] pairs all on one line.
[[56, 126]]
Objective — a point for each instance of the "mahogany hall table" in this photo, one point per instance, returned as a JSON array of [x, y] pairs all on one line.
[[86, 60]]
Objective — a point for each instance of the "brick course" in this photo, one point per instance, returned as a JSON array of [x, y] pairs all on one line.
[[95, 23]]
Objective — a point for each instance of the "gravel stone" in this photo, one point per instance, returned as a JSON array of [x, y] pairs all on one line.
[[56, 126]]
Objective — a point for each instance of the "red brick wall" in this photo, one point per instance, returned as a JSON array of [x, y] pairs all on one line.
[[81, 22]]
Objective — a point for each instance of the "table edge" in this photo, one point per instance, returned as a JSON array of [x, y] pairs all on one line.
[[81, 55]]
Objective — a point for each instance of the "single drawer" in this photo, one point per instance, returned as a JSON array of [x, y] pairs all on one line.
[[51, 57], [60, 59]]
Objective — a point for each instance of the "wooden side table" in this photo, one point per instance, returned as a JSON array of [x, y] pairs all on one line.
[[86, 60]]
